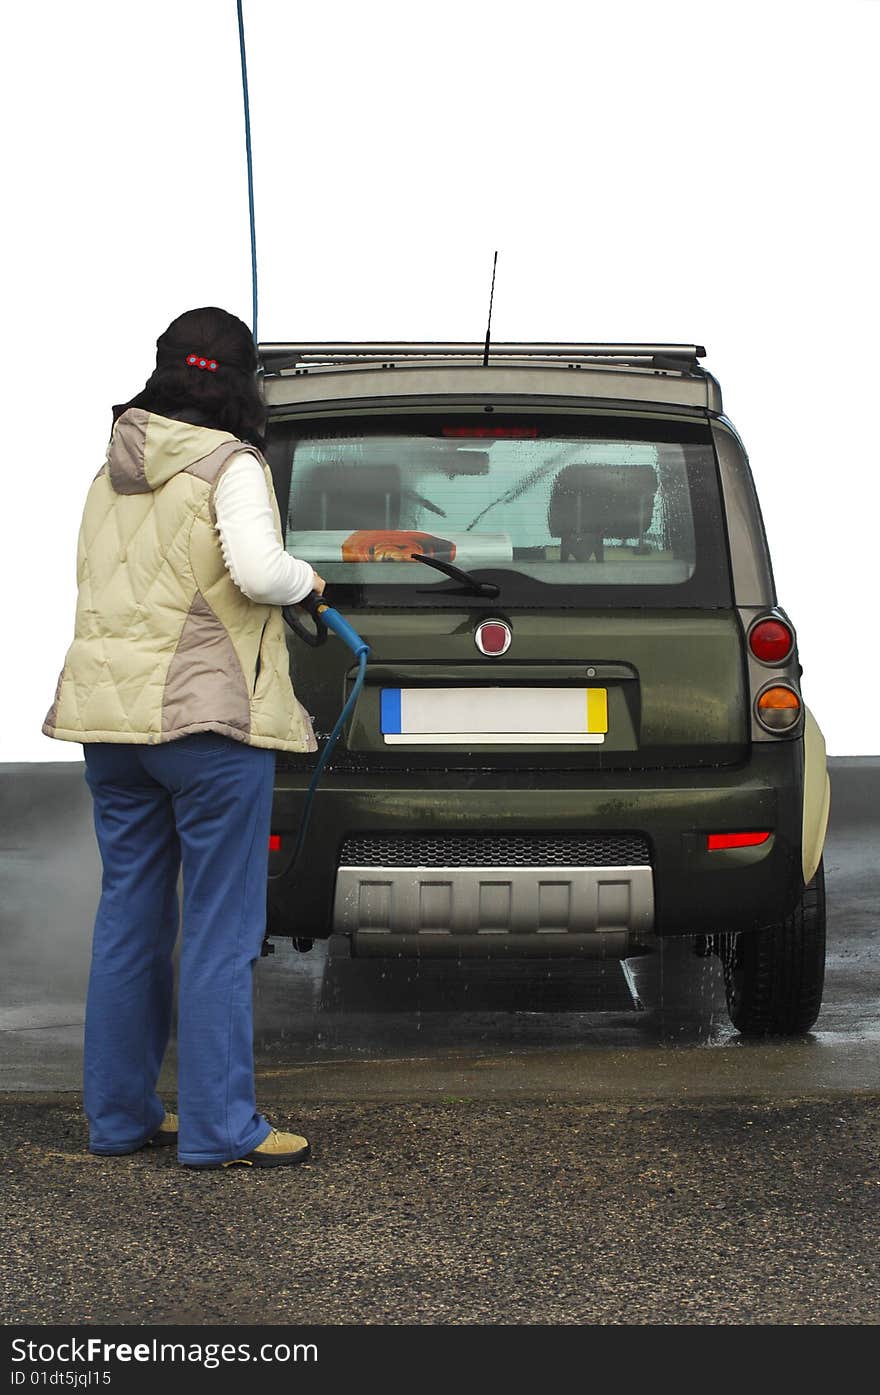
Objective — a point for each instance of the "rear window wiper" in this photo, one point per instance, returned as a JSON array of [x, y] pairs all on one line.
[[469, 583]]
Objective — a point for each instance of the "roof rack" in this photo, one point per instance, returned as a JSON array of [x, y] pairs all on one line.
[[676, 357]]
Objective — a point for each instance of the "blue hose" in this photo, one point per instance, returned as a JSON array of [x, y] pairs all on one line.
[[335, 622]]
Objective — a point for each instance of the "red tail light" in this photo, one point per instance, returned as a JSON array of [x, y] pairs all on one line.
[[771, 641], [274, 842], [714, 841]]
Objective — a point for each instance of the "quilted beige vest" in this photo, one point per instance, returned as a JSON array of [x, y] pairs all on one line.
[[165, 644]]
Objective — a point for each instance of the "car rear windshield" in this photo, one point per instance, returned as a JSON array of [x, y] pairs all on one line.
[[554, 511]]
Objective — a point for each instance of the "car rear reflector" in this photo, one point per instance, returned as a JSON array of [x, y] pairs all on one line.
[[274, 842], [778, 709], [771, 641], [492, 433], [735, 840]]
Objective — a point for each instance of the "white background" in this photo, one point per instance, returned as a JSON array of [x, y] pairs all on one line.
[[697, 172]]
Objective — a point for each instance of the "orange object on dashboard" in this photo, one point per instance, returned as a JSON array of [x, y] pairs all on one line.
[[394, 545]]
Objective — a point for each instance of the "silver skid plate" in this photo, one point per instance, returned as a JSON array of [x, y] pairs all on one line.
[[486, 910]]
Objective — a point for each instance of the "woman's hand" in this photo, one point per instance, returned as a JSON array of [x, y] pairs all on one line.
[[318, 583]]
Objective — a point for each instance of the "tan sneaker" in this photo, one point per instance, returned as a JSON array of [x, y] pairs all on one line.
[[166, 1133], [277, 1149]]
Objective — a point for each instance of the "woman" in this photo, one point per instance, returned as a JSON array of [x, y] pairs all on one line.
[[177, 684]]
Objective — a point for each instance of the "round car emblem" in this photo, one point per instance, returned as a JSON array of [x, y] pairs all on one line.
[[493, 637]]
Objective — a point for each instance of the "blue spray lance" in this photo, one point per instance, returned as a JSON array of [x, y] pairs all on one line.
[[326, 619]]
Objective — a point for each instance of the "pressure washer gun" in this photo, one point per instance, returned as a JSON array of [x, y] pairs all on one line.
[[325, 619]]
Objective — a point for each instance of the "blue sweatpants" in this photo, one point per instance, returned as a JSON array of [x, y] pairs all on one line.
[[205, 802]]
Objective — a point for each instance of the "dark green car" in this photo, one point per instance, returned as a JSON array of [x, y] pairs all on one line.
[[582, 726]]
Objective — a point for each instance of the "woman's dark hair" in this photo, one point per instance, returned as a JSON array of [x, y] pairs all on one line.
[[229, 399]]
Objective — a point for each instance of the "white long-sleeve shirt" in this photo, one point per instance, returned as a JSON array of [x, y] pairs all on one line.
[[255, 559]]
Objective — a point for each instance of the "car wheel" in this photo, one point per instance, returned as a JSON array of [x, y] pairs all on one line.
[[774, 977]]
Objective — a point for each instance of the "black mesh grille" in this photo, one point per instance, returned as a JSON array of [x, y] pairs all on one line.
[[495, 850]]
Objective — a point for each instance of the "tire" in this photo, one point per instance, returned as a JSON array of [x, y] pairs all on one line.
[[774, 977]]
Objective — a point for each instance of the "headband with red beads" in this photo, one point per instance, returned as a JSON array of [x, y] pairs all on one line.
[[196, 361]]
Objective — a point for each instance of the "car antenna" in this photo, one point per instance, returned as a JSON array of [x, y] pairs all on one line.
[[250, 166], [489, 325]]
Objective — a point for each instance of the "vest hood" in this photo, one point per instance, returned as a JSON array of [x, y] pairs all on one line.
[[146, 450]]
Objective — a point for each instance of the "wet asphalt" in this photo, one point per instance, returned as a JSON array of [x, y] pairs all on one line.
[[459, 1211], [538, 1145]]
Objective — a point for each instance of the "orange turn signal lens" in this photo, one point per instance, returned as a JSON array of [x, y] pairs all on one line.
[[714, 841], [778, 709]]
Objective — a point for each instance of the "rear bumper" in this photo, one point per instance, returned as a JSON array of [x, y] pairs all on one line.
[[693, 890]]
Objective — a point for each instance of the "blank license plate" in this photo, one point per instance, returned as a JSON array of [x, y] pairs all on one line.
[[507, 716]]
